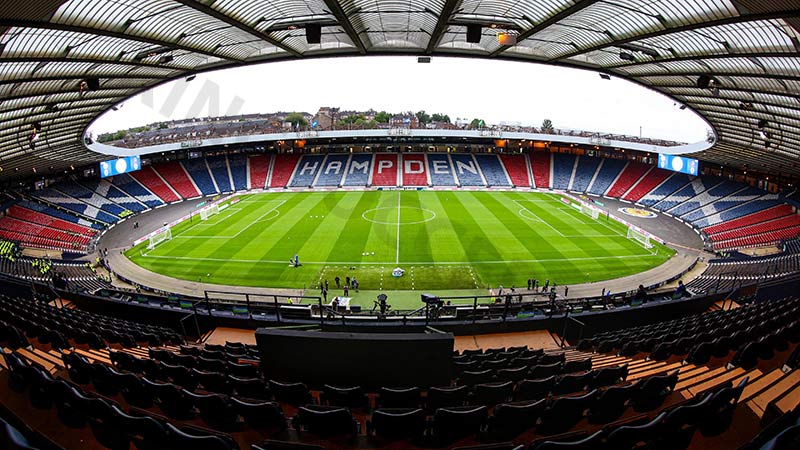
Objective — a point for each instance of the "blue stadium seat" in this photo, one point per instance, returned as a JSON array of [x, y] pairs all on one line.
[[563, 163], [72, 204], [440, 169], [358, 170], [198, 171], [606, 175], [127, 184], [672, 184], [697, 186], [238, 165], [219, 169], [75, 190], [332, 170], [306, 171], [467, 170], [715, 193], [493, 170], [109, 191], [587, 166]]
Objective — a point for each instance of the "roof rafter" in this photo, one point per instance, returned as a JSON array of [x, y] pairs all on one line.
[[211, 12], [678, 29], [441, 25], [552, 20], [107, 33], [344, 21]]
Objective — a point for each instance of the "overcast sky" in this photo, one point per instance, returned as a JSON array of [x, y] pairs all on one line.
[[495, 91]]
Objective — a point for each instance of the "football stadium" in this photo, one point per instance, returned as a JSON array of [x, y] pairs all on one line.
[[483, 277]]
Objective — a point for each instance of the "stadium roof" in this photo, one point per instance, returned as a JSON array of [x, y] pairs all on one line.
[[743, 52]]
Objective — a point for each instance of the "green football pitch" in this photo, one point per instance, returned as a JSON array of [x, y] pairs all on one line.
[[444, 240]]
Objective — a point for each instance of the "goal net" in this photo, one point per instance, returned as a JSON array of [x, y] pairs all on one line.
[[591, 212], [640, 237], [159, 237], [205, 213]]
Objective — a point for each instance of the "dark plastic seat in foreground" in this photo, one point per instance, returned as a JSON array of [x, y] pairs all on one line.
[[451, 424], [389, 397], [512, 419], [326, 420], [397, 423], [291, 393], [653, 391], [634, 436], [564, 413]]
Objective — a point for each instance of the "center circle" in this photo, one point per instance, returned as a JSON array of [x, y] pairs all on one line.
[[387, 215]]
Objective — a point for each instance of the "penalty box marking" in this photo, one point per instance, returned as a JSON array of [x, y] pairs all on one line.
[[259, 219]]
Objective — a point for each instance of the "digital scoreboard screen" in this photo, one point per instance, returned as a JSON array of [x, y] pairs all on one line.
[[678, 164], [121, 165]]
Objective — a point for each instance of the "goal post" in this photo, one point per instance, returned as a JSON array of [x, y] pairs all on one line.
[[161, 236], [589, 211], [209, 211], [640, 237]]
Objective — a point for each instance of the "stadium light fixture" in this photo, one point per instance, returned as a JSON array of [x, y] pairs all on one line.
[[423, 59], [625, 56], [605, 76], [505, 38], [190, 78]]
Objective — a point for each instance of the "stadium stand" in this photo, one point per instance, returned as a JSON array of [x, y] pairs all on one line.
[[199, 177], [333, 170], [563, 167], [282, 169], [135, 189], [238, 167], [776, 224], [31, 233], [307, 169], [733, 200], [712, 195], [358, 170], [726, 274], [59, 214], [649, 181], [759, 204], [413, 170], [496, 169], [221, 173], [91, 197], [517, 168], [259, 170], [607, 174], [47, 220], [763, 238], [541, 167], [57, 198], [762, 216], [440, 169], [384, 170], [105, 189], [587, 166], [151, 180], [134, 368], [633, 173], [665, 189], [696, 187], [177, 176], [468, 170]]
